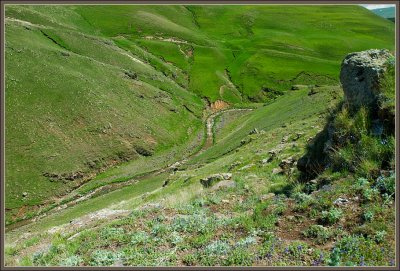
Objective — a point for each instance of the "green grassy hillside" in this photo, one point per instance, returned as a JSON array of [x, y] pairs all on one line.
[[111, 137], [77, 103], [88, 87]]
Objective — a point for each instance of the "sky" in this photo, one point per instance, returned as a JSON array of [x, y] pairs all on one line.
[[375, 6]]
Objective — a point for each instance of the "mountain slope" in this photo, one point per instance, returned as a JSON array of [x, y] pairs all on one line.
[[157, 136], [387, 13]]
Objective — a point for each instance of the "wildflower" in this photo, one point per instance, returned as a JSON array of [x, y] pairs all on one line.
[[299, 247], [362, 263]]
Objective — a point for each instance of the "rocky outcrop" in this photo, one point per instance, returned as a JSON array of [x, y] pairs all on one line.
[[212, 179], [360, 75]]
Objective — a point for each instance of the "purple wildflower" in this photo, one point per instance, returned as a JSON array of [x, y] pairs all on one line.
[[300, 247]]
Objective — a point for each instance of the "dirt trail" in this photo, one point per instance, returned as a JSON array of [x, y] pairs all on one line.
[[209, 123]]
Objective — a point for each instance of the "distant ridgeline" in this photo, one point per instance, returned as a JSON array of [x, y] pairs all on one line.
[[387, 13]]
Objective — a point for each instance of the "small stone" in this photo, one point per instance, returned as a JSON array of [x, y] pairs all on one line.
[[267, 160], [312, 91], [24, 194], [266, 197], [290, 218], [277, 171], [298, 87], [254, 131], [246, 167], [234, 164], [285, 139], [226, 176], [287, 163], [341, 201]]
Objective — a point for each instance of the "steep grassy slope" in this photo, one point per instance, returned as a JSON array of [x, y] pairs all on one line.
[[78, 103], [88, 87]]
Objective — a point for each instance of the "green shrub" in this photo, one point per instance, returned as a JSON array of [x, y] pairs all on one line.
[[369, 194], [73, 260], [303, 201], [296, 250], [195, 223], [334, 259], [386, 185], [243, 243], [217, 248], [319, 233], [175, 238], [112, 233], [380, 236], [368, 216], [332, 216], [104, 258], [159, 230], [140, 238], [189, 259], [301, 197], [361, 183], [200, 240], [11, 251], [39, 259], [239, 257], [358, 250]]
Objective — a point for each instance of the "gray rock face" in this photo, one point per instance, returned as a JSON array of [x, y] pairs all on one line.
[[360, 75]]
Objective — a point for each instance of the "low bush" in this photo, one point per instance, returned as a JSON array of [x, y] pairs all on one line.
[[319, 233], [331, 217]]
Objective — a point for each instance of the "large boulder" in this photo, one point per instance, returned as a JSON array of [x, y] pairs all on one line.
[[360, 75]]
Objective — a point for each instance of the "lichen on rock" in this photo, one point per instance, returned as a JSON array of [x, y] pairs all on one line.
[[360, 76]]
